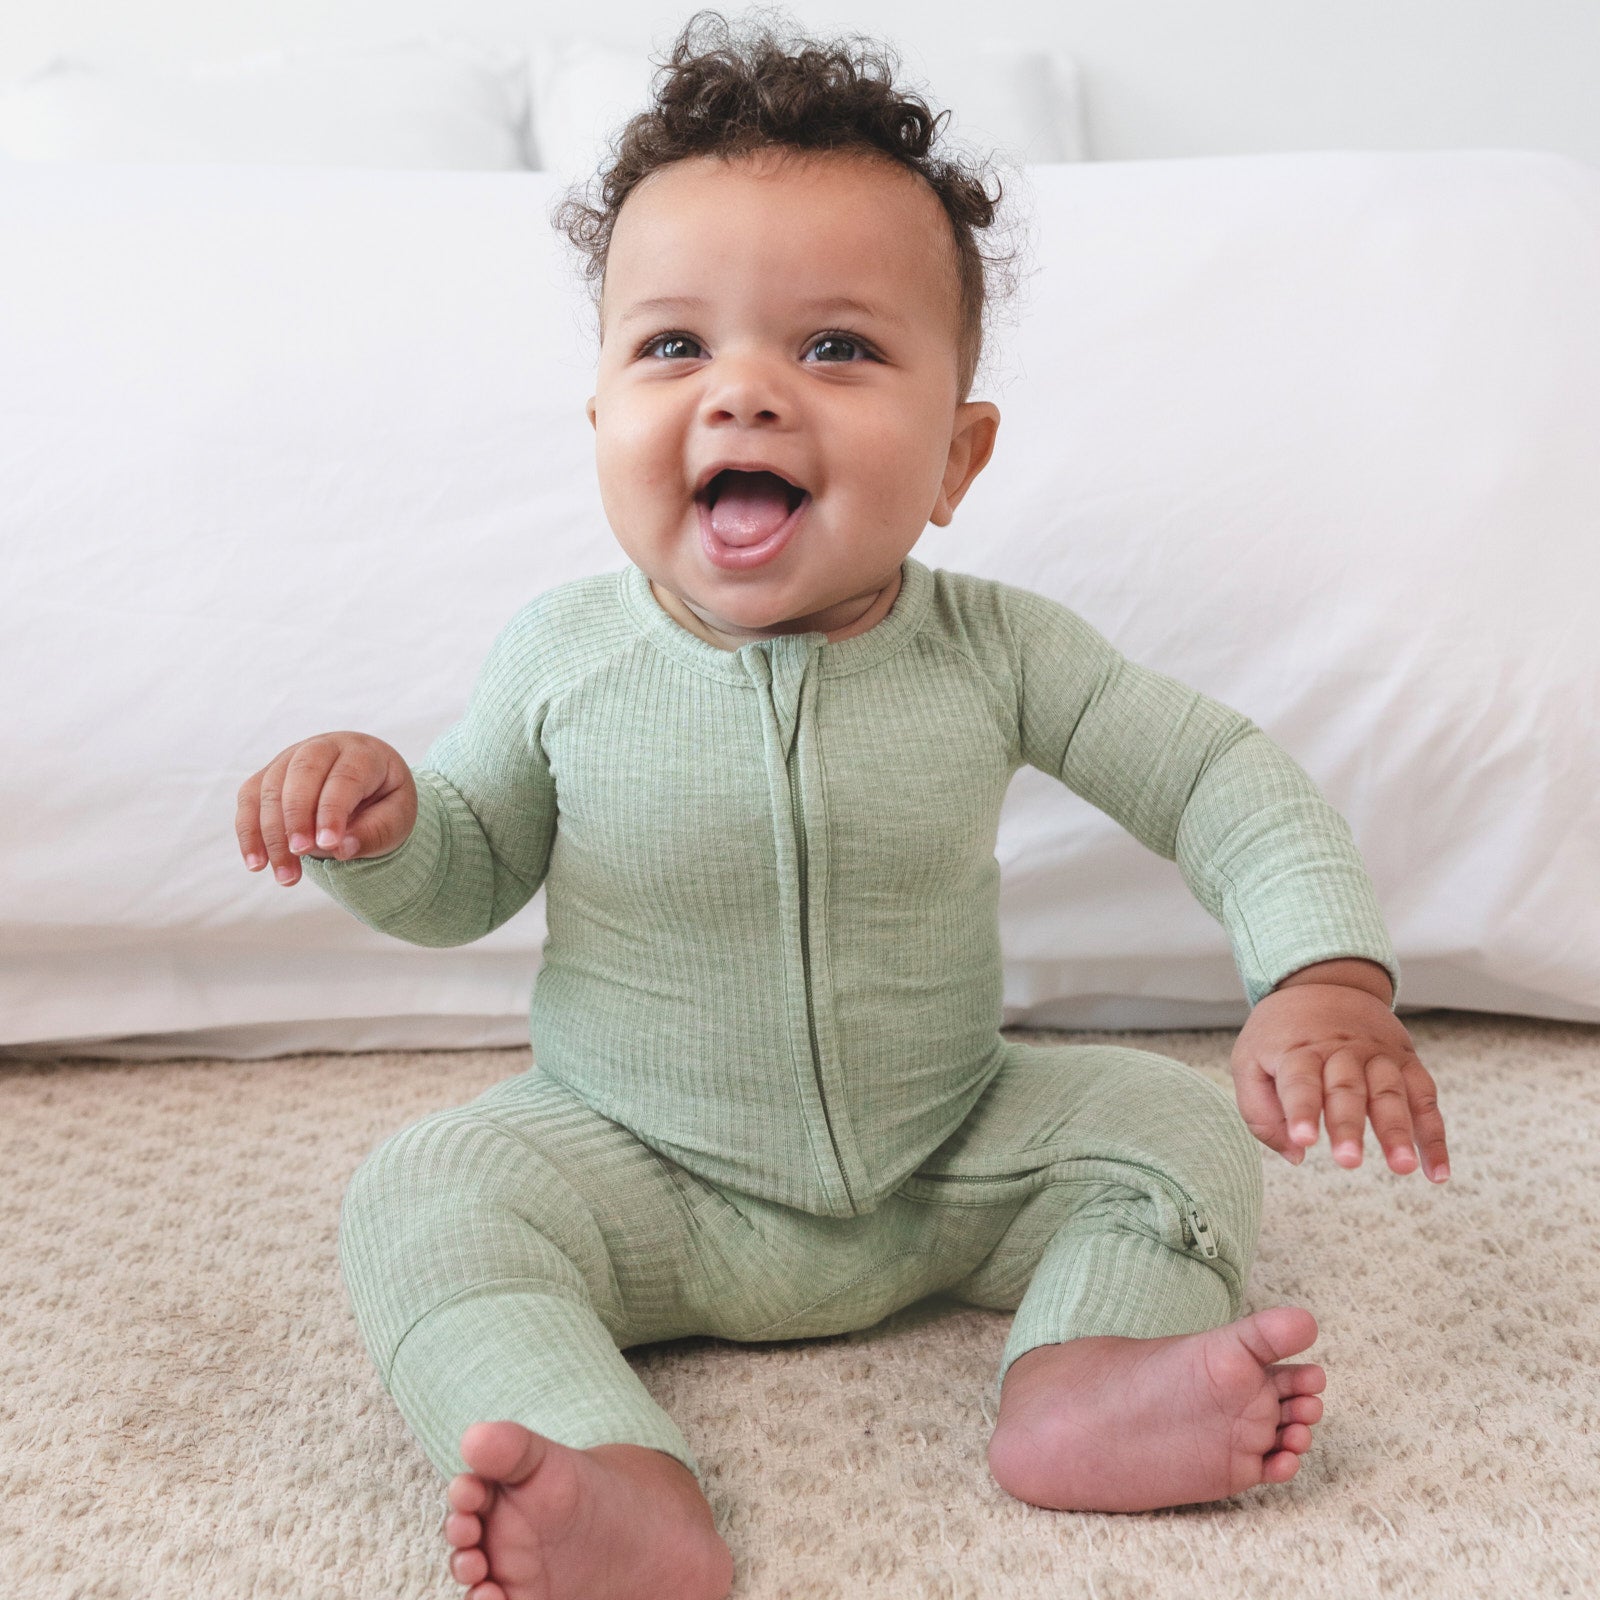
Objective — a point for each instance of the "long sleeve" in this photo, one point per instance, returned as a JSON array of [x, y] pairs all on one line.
[[486, 816], [1202, 785]]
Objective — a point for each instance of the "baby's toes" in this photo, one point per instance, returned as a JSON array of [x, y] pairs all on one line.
[[469, 1566], [1296, 1436], [462, 1529], [1302, 1377], [469, 1492], [1300, 1408]]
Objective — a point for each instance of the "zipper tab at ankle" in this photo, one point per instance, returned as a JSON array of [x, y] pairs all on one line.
[[1201, 1229]]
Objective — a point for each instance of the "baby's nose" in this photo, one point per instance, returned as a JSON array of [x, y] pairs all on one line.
[[747, 388]]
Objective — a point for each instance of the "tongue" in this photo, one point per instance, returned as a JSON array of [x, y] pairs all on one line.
[[751, 506]]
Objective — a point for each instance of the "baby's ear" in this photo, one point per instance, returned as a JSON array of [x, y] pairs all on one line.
[[971, 444], [588, 406]]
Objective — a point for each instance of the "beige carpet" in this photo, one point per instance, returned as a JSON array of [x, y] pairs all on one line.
[[187, 1409]]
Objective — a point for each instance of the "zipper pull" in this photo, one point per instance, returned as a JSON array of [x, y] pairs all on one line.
[[1203, 1235]]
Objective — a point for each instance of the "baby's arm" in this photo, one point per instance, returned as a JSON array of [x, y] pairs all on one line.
[[1326, 1041], [469, 839], [1264, 853]]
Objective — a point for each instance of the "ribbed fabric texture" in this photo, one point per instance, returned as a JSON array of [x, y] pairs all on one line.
[[772, 892], [499, 1255]]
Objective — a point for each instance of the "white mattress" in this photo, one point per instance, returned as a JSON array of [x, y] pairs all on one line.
[[283, 448]]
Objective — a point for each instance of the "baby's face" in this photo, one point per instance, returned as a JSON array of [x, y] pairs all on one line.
[[753, 357]]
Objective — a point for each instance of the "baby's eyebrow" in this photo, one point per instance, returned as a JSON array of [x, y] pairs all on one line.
[[669, 302]]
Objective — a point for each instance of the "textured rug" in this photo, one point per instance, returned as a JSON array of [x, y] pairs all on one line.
[[187, 1409]]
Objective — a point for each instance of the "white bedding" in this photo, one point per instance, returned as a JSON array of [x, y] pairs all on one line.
[[426, 101], [282, 448], [446, 101]]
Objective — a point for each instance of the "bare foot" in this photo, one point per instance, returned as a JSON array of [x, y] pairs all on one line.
[[536, 1520], [1108, 1424]]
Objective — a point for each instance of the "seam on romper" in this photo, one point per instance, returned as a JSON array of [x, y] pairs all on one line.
[[461, 1294], [1222, 1264], [1230, 902], [706, 1247], [1232, 1278], [981, 1204], [1007, 717], [702, 1241], [1133, 1190], [527, 1143], [685, 1214], [873, 1271], [1002, 1251]]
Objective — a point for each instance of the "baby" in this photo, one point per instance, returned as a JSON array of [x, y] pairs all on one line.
[[760, 771]]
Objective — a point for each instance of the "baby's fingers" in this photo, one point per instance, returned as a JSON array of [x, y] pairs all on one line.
[[247, 823], [265, 792], [1300, 1090], [1262, 1111], [352, 777], [1390, 1112], [380, 825], [303, 781], [1425, 1115], [1344, 1081]]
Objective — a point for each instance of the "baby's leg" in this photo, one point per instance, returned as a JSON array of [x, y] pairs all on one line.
[[497, 1255], [1130, 1379]]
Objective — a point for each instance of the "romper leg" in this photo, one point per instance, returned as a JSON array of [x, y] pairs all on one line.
[[1137, 1190], [497, 1257]]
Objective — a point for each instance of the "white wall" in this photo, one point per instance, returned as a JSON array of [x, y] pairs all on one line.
[[1162, 77]]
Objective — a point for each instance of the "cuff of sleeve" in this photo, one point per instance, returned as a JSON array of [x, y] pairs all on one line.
[[1339, 921], [380, 889]]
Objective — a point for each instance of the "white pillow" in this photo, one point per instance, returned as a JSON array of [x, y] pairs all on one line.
[[424, 102], [285, 448], [1023, 101], [580, 94]]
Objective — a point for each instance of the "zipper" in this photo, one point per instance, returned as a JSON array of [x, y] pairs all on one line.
[[1196, 1225], [797, 816], [1201, 1229]]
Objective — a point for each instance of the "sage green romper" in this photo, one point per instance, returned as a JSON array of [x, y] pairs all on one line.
[[769, 1097]]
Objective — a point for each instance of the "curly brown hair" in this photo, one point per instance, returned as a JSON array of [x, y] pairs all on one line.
[[726, 97]]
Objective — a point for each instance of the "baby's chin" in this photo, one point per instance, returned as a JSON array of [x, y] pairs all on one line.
[[709, 623], [735, 609], [748, 607], [733, 632]]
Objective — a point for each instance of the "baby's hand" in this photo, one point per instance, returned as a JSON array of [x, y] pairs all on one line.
[[347, 793], [1326, 1047]]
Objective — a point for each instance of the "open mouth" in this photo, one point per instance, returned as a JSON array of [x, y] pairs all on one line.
[[746, 482], [746, 518]]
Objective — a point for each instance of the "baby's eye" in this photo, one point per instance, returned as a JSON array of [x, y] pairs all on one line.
[[848, 339], [668, 339], [662, 344]]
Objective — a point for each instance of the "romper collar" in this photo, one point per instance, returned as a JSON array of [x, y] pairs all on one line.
[[882, 639]]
